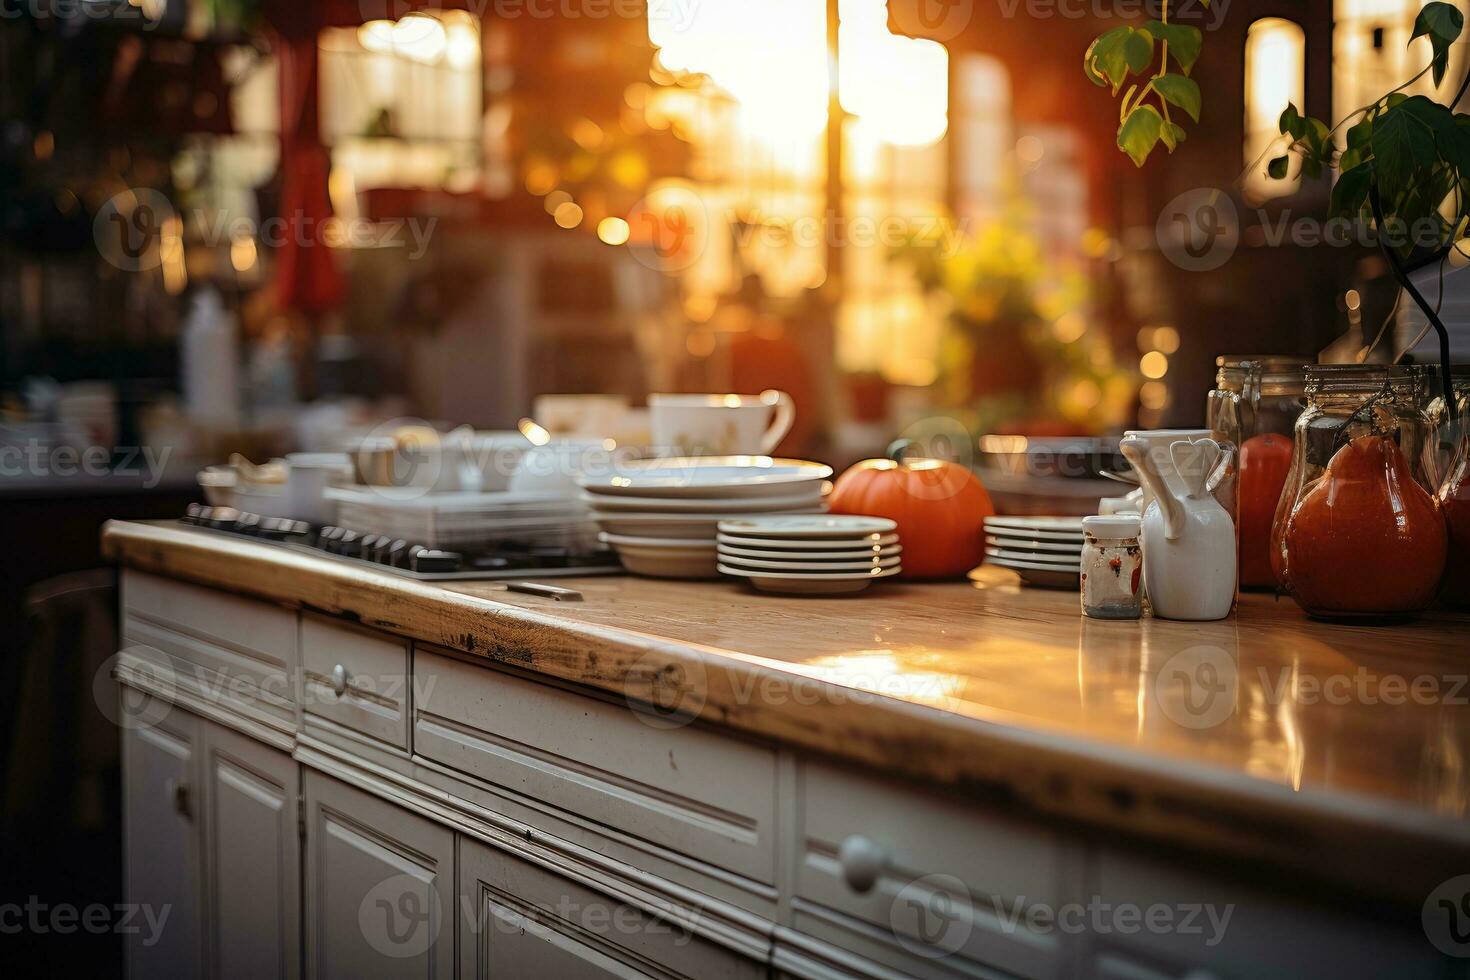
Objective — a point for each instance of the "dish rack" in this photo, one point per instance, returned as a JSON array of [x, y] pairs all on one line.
[[466, 521]]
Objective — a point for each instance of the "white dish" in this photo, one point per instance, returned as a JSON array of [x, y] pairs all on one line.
[[799, 528], [709, 476], [1064, 525], [1024, 544], [1030, 561], [670, 564], [812, 544], [1058, 537], [841, 584], [806, 567], [625, 540], [1042, 576], [717, 506], [850, 554], [1037, 557]]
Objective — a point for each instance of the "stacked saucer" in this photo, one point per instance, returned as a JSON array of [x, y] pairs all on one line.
[[661, 515], [817, 555], [1044, 551]]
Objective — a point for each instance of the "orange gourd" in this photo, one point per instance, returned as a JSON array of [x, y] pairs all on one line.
[[940, 508]]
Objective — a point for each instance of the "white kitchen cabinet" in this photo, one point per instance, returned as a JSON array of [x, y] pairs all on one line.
[[379, 887], [161, 866], [252, 857], [520, 920], [211, 841]]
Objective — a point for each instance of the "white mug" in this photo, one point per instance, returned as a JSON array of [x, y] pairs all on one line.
[[721, 425]]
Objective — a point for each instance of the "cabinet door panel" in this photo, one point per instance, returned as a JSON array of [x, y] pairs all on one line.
[[161, 845], [379, 889], [252, 857], [519, 920]]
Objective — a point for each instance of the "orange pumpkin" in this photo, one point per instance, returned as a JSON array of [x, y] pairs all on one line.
[[940, 508]]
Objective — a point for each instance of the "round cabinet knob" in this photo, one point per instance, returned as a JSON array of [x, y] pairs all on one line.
[[862, 863], [339, 680]]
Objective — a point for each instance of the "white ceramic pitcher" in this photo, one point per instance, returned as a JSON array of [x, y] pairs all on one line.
[[1188, 538]]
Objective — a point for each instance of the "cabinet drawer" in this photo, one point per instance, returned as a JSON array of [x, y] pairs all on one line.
[[216, 645], [519, 920], [922, 883], [357, 678], [686, 790], [1190, 924]]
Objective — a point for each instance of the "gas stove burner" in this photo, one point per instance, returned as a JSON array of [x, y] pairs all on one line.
[[385, 553]]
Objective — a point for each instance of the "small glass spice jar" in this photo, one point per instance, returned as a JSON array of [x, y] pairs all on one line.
[[1112, 567]]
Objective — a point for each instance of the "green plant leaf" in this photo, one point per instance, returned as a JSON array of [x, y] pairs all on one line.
[[1351, 191], [1184, 41], [1180, 91], [1403, 138], [1140, 133], [1442, 24], [1353, 156], [1454, 144], [1105, 58], [1172, 134], [1359, 134], [1291, 123], [1138, 48], [1276, 169]]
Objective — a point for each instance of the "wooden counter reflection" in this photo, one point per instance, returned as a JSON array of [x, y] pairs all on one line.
[[1339, 749]]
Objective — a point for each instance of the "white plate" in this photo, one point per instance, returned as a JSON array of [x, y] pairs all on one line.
[[807, 567], [1024, 544], [720, 506], [1019, 563], [1054, 525], [625, 540], [658, 529], [798, 528], [813, 544], [709, 476], [1037, 557], [1043, 576], [850, 554], [675, 565], [846, 583]]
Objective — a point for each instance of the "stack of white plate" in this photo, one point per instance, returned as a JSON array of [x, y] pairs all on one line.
[[1044, 551], [810, 555], [661, 515]]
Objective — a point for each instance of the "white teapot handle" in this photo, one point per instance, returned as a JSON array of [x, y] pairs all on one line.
[[1195, 461]]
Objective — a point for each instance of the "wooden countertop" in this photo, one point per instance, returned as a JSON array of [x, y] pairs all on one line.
[[1338, 751]]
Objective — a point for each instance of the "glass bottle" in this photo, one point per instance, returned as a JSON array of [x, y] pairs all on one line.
[[1112, 567], [1454, 498], [1255, 405], [1359, 532]]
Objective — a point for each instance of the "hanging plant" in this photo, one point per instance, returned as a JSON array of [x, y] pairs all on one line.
[[1405, 166], [1144, 118]]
